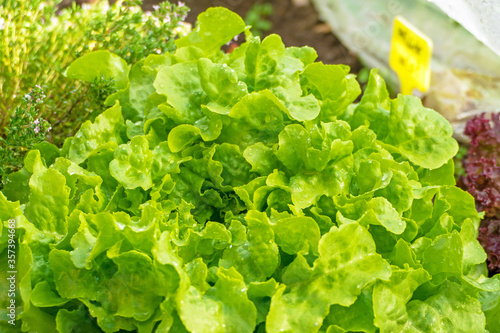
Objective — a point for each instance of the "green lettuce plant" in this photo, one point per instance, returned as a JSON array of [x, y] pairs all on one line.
[[244, 192]]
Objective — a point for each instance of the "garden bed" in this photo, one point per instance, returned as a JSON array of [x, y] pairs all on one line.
[[249, 191]]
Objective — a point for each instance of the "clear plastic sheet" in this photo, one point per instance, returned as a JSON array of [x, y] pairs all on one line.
[[465, 78]]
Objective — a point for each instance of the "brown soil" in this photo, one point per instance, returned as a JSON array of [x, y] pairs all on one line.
[[296, 21]]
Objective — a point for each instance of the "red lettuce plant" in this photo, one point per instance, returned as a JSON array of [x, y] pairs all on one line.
[[482, 180]]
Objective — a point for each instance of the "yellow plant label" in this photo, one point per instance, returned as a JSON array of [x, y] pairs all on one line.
[[410, 57]]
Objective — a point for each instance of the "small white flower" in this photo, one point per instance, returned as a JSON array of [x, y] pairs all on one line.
[[156, 7], [28, 97], [183, 28], [37, 121], [37, 129], [180, 4], [86, 6], [48, 129], [158, 51], [2, 23], [166, 19]]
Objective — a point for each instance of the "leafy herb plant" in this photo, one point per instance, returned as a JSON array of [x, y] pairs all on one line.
[[245, 192], [25, 129], [37, 45], [257, 18]]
